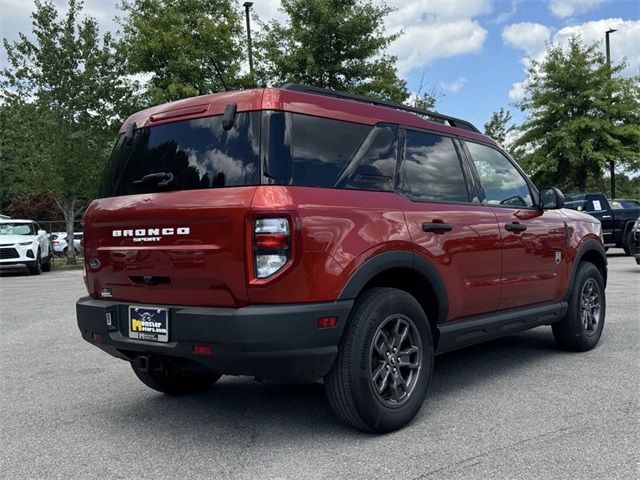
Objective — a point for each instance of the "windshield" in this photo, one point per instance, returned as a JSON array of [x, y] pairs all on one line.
[[17, 229], [185, 155]]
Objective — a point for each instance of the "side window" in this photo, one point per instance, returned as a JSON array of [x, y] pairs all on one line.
[[431, 169], [373, 167], [322, 147], [502, 182], [312, 151]]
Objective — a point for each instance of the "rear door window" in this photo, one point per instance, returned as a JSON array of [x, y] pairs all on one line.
[[431, 169], [192, 154]]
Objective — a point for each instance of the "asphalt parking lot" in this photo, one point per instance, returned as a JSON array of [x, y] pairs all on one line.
[[513, 408]]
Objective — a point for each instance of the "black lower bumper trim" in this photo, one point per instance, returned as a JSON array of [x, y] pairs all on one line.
[[280, 342]]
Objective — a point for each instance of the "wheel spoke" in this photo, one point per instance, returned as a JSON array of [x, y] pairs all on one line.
[[384, 379], [400, 332], [381, 343], [405, 358], [398, 387]]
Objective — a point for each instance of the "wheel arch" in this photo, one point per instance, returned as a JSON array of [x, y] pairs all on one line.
[[406, 271], [591, 251]]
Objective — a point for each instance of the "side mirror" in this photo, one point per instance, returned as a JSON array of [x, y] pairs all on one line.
[[551, 198], [41, 232]]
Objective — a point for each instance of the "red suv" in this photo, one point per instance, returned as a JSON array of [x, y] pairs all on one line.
[[297, 234]]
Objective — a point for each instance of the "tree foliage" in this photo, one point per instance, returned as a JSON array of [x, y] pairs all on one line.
[[337, 44], [498, 125], [182, 45], [63, 95], [582, 114]]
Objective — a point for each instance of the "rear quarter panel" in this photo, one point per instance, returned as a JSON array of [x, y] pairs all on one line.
[[339, 230]]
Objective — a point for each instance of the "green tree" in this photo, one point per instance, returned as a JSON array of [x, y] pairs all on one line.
[[582, 114], [185, 46], [62, 97], [498, 125], [337, 44]]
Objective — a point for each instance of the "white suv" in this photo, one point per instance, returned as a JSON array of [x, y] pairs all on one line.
[[23, 242]]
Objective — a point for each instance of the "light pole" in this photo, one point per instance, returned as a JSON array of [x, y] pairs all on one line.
[[247, 6], [612, 170]]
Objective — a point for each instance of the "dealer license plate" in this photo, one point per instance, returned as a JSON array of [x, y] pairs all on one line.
[[149, 323]]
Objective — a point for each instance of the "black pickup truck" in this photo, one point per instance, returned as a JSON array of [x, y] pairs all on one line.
[[616, 223]]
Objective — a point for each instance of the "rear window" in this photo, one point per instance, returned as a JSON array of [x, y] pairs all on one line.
[[185, 155]]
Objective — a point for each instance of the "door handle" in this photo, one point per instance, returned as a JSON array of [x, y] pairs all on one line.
[[437, 227], [606, 216], [515, 227]]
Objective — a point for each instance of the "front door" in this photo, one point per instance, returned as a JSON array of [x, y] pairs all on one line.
[[533, 241]]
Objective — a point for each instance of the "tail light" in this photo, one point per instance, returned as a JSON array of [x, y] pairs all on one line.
[[271, 245]]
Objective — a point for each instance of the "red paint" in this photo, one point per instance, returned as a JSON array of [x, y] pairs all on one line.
[[333, 232]]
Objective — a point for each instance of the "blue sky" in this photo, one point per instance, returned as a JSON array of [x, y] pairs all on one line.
[[473, 52]]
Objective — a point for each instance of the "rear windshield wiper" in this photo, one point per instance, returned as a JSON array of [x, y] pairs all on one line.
[[164, 178]]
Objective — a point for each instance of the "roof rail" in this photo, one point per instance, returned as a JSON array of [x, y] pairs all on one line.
[[454, 122]]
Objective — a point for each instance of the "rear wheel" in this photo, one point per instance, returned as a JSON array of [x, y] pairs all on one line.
[[172, 381], [581, 328], [384, 363]]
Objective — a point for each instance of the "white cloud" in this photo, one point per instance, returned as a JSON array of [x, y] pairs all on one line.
[[517, 92], [526, 36], [569, 8], [435, 29], [455, 86], [625, 44]]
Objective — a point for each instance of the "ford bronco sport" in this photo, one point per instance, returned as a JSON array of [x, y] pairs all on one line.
[[298, 234]]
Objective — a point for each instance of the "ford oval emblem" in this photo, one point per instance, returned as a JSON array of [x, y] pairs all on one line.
[[94, 263]]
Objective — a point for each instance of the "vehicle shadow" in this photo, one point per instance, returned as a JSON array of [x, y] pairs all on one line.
[[14, 272], [244, 406]]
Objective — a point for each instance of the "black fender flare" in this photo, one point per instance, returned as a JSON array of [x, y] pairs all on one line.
[[588, 246], [398, 259]]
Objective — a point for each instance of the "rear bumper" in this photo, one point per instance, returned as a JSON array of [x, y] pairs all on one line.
[[280, 342]]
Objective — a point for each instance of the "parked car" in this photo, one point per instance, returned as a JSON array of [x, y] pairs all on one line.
[[298, 233], [635, 245], [618, 203], [616, 223], [60, 244], [23, 242]]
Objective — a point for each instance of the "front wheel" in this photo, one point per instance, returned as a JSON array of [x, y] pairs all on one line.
[[627, 242], [384, 363], [37, 265], [172, 381], [581, 328]]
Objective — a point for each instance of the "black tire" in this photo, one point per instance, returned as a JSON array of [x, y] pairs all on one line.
[[350, 383], [46, 266], [626, 242], [37, 267], [174, 382], [577, 330]]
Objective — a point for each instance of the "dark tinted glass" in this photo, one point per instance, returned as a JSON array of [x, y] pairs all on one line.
[[311, 151], [373, 167], [503, 184], [193, 154], [431, 169]]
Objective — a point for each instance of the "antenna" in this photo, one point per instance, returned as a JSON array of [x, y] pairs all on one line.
[[224, 84]]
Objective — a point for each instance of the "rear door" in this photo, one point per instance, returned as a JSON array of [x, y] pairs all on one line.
[[534, 260], [448, 225]]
